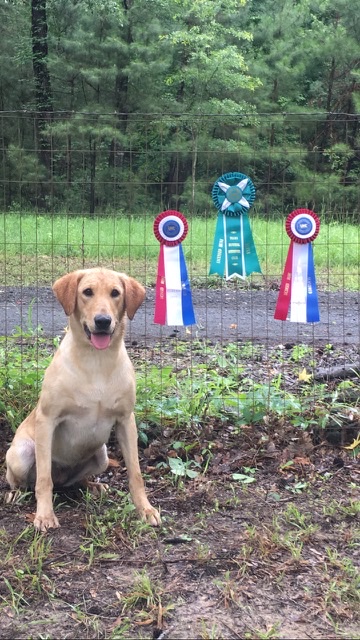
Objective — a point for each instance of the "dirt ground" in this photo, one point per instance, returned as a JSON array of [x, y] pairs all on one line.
[[263, 543]]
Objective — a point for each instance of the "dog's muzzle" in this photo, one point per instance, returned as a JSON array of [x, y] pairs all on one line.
[[101, 336]]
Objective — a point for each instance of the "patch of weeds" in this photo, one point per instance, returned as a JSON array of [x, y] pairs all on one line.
[[107, 521], [258, 634], [266, 541], [202, 551], [121, 631], [89, 621], [339, 510], [214, 389], [15, 599], [300, 351], [295, 517], [210, 634], [145, 600], [262, 541], [23, 573], [341, 589], [228, 588]]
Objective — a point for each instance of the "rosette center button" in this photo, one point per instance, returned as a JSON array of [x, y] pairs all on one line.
[[234, 194], [171, 228], [303, 226]]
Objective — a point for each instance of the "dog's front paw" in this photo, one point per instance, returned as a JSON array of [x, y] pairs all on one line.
[[151, 516], [45, 522]]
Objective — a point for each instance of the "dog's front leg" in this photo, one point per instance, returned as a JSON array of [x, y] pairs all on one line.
[[127, 436], [45, 517]]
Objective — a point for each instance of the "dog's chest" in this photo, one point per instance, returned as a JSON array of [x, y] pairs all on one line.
[[86, 426]]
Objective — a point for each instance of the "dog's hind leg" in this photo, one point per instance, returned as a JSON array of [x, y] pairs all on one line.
[[20, 464], [98, 463], [20, 467]]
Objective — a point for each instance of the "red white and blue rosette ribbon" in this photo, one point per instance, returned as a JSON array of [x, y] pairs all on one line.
[[173, 300], [298, 291], [234, 253]]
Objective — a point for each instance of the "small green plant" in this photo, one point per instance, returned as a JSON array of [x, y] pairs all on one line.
[[257, 634], [299, 352], [227, 586], [16, 599], [183, 469], [210, 634], [297, 487], [295, 517], [247, 477]]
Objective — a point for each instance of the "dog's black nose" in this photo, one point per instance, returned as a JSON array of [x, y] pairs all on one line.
[[102, 322]]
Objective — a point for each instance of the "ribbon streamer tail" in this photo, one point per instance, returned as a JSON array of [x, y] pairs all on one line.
[[160, 292], [283, 302], [299, 281], [312, 308], [173, 300], [186, 297], [251, 259]]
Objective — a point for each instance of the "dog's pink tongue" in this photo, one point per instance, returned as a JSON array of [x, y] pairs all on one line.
[[100, 340]]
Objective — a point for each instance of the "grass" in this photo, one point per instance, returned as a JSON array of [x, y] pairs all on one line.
[[37, 249]]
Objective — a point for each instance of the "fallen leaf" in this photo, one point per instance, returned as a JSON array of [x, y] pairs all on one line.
[[354, 444], [115, 624], [299, 460], [113, 463], [30, 517], [304, 376]]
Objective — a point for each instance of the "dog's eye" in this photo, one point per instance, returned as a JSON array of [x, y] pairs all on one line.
[[88, 292], [115, 293]]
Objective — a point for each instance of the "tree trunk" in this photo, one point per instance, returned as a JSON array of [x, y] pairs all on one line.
[[92, 195], [43, 95]]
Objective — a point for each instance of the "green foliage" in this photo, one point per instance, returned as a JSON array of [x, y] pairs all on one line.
[[148, 94], [24, 358]]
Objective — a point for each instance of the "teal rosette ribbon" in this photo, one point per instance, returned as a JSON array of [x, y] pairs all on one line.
[[234, 253]]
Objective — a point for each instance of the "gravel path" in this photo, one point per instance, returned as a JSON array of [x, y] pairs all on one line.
[[222, 315]]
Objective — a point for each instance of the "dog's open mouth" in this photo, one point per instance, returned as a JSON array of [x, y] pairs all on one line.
[[99, 340]]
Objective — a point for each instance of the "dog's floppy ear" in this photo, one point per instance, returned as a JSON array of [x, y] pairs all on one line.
[[134, 294], [65, 289]]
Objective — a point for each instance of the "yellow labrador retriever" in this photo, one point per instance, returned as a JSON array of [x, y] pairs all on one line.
[[88, 388]]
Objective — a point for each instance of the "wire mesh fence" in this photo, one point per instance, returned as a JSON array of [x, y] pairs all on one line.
[[96, 163], [81, 190]]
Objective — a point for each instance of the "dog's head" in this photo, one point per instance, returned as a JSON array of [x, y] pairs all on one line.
[[97, 299]]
